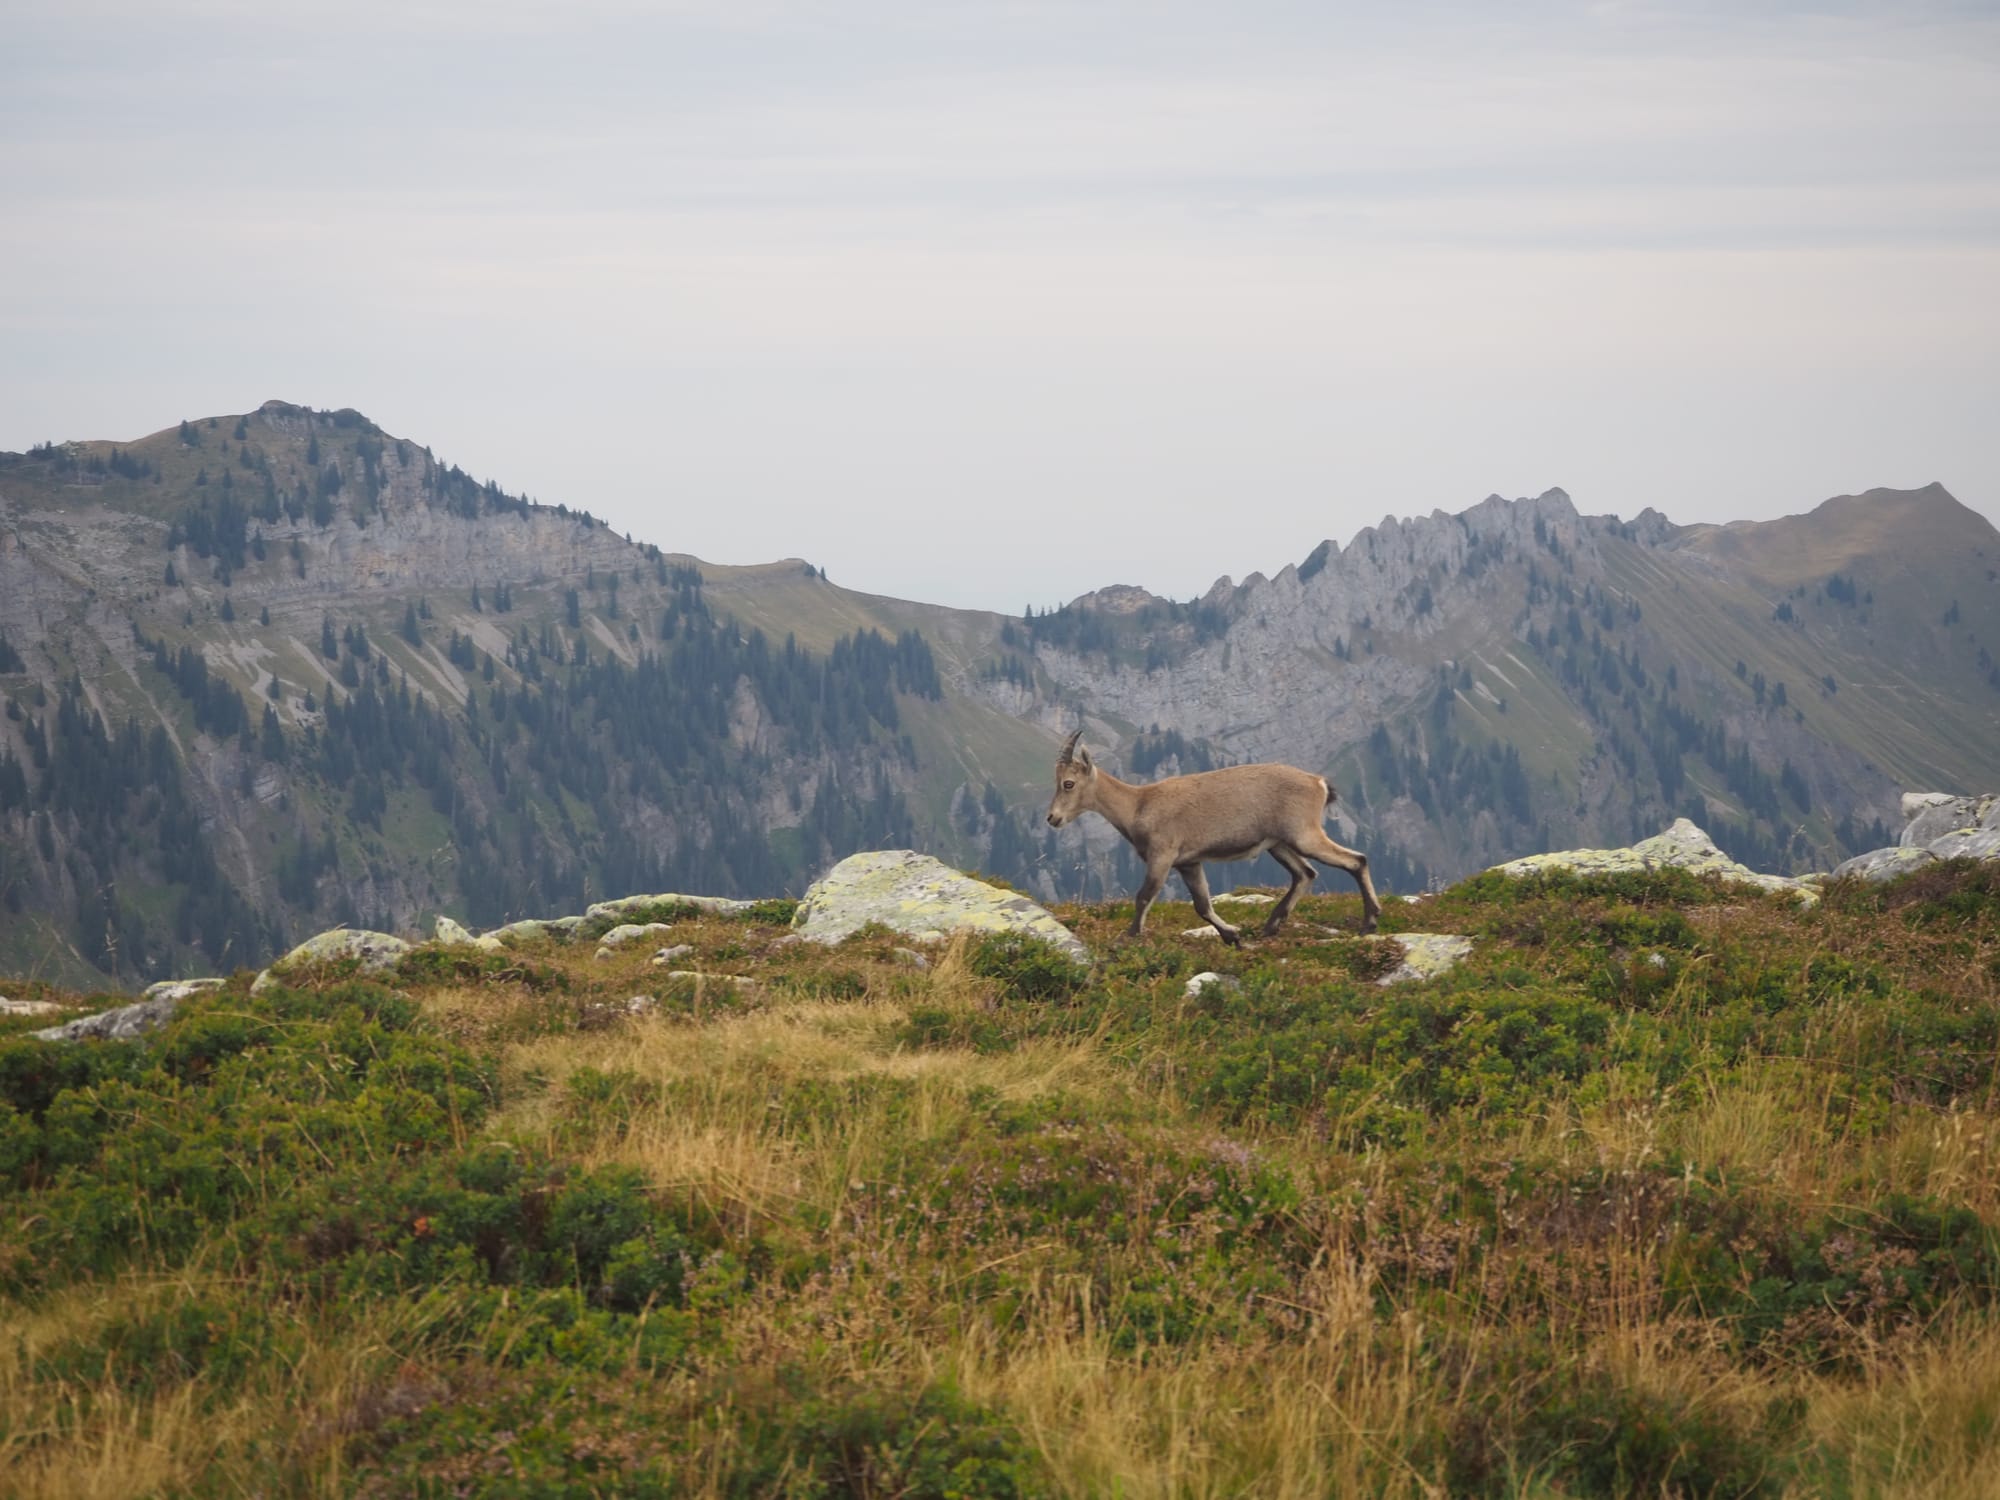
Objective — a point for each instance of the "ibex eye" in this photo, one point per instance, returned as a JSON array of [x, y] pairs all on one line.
[[1069, 786]]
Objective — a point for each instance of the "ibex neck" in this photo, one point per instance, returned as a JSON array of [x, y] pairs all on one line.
[[1117, 802]]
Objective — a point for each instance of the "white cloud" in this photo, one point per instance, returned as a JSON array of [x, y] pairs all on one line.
[[729, 273]]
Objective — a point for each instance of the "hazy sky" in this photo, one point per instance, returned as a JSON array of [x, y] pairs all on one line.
[[991, 303]]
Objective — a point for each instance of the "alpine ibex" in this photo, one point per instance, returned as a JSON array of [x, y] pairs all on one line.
[[1235, 813]]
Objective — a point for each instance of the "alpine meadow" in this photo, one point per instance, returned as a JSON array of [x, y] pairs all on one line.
[[620, 1025]]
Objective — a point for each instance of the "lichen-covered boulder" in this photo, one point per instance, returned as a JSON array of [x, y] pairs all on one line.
[[1425, 955], [375, 950], [119, 1025], [914, 894], [1682, 847], [602, 910], [128, 1021], [450, 933], [1884, 864]]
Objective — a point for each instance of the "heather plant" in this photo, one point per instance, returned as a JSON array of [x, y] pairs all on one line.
[[1670, 1188]]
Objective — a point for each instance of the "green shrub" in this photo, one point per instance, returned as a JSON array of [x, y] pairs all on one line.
[[1027, 967], [931, 1444], [1539, 1424]]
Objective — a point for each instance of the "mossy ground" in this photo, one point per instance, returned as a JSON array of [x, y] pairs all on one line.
[[1670, 1188]]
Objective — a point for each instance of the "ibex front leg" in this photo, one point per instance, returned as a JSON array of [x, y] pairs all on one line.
[[1196, 879], [1149, 889]]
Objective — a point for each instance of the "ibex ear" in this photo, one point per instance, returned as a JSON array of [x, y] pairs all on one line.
[[1069, 749], [1083, 757]]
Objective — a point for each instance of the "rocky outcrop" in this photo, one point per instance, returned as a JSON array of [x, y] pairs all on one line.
[[914, 894], [1941, 826], [1682, 847]]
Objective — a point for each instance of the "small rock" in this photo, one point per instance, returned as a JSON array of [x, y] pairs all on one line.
[[180, 989], [668, 955], [1203, 931], [909, 958], [1209, 977], [521, 932], [629, 932], [1247, 898], [740, 981], [28, 1007], [445, 930], [1426, 955], [640, 1005]]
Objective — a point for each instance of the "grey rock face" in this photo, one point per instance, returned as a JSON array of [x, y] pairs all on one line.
[[1968, 843], [1939, 819], [922, 898], [1916, 802]]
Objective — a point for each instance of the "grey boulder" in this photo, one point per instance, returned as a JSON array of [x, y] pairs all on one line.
[[920, 897]]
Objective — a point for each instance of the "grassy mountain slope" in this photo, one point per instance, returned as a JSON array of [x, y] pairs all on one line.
[[485, 706], [1669, 1189]]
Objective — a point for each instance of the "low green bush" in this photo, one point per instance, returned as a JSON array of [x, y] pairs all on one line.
[[1028, 968]]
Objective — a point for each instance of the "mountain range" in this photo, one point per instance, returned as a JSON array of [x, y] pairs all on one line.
[[270, 671]]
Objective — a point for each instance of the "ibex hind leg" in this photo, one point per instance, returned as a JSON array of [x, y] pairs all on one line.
[[1302, 878], [1196, 880], [1355, 863]]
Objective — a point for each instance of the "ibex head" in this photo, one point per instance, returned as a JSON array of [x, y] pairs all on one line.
[[1075, 775]]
